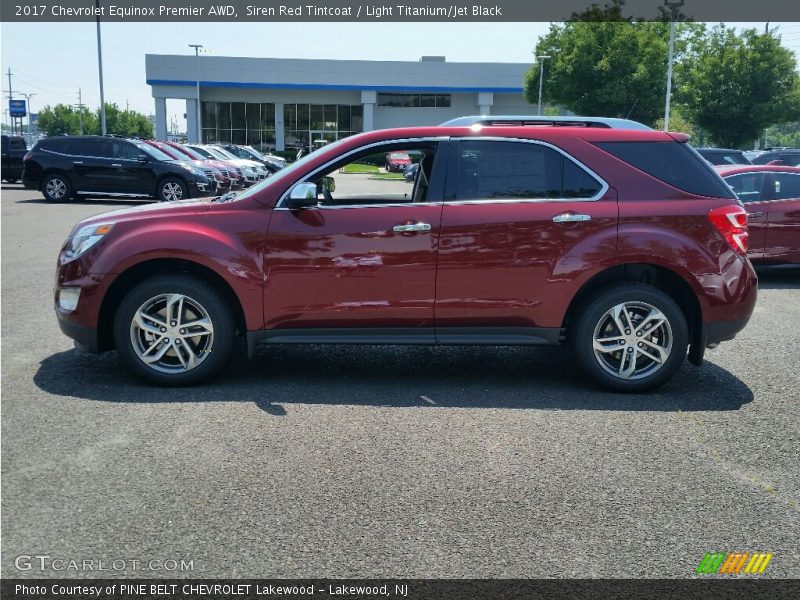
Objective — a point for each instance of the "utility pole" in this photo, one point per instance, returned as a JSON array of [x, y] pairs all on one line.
[[28, 103], [674, 7], [80, 110], [197, 59], [10, 98], [100, 70]]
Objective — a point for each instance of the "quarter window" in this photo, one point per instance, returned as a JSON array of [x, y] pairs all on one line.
[[506, 170]]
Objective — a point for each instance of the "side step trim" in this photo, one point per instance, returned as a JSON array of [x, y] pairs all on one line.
[[428, 336]]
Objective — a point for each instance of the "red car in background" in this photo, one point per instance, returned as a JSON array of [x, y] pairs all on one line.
[[211, 171], [228, 170], [771, 196], [397, 162]]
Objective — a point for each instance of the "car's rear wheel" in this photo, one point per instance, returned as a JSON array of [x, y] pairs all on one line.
[[56, 187], [174, 330], [172, 189], [631, 337]]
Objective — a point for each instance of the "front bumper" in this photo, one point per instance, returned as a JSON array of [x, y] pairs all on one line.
[[200, 189], [85, 338]]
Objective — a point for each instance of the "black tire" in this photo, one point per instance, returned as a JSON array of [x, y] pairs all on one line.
[[11, 180], [594, 316], [172, 189], [212, 353], [56, 187]]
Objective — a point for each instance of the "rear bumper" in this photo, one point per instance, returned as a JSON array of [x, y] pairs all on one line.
[[722, 331]]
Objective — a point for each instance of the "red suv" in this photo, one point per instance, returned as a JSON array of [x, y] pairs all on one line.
[[624, 244]]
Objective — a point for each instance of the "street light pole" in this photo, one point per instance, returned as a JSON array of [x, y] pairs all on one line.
[[673, 7], [197, 58], [28, 108], [100, 71], [541, 60]]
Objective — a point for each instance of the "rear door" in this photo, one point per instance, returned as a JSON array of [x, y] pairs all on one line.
[[783, 232], [517, 227], [751, 188]]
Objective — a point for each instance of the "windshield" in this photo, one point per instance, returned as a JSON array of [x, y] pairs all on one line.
[[189, 152], [288, 172], [220, 153], [203, 152], [151, 151], [252, 152]]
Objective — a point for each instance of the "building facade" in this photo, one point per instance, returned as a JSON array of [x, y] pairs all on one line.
[[288, 103]]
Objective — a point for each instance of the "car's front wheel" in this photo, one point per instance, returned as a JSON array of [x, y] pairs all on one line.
[[172, 189], [630, 337], [174, 330]]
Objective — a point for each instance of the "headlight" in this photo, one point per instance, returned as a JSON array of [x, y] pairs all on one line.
[[194, 170], [85, 238]]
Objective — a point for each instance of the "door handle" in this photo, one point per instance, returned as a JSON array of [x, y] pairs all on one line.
[[411, 227], [571, 218], [755, 215], [116, 164], [77, 162]]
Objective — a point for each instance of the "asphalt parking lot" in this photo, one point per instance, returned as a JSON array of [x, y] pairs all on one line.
[[389, 461]]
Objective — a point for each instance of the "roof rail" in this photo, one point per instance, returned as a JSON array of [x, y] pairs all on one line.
[[523, 120]]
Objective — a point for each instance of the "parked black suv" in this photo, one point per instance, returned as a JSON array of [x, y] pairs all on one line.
[[63, 167], [789, 157], [723, 156], [13, 151]]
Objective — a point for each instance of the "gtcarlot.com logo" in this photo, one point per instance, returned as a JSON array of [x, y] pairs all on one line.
[[42, 562], [734, 563]]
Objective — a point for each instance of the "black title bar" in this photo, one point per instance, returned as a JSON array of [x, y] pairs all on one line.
[[248, 11]]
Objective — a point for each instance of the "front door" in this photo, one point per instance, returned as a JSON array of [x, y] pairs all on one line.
[[361, 260]]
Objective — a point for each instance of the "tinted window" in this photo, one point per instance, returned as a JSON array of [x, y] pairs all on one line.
[[674, 163], [18, 143], [124, 150], [786, 186], [748, 186], [577, 183], [725, 158], [791, 160], [766, 157], [498, 170]]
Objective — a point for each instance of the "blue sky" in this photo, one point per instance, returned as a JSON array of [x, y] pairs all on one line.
[[53, 60]]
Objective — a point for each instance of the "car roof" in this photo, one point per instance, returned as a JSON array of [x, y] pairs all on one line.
[[719, 150], [728, 170]]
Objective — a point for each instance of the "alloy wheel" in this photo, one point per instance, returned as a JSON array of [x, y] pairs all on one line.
[[632, 340], [172, 333], [172, 191], [56, 188]]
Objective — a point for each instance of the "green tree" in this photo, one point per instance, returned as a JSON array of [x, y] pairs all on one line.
[[127, 123], [604, 68], [63, 119], [785, 134], [734, 86]]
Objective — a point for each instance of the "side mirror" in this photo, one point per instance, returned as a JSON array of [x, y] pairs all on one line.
[[142, 158], [303, 195]]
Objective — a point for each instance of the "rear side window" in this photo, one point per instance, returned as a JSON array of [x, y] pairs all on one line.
[[791, 160], [674, 163], [507, 170]]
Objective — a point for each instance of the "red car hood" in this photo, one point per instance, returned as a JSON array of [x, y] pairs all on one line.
[[148, 211]]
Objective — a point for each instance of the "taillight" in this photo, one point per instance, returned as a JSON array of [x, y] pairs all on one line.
[[731, 222]]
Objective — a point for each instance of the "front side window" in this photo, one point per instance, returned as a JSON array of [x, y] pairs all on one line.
[[489, 170], [747, 186], [786, 186]]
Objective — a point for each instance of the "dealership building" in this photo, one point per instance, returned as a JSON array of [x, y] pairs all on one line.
[[288, 103]]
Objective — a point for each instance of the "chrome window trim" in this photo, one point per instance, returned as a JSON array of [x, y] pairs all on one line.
[[604, 187]]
